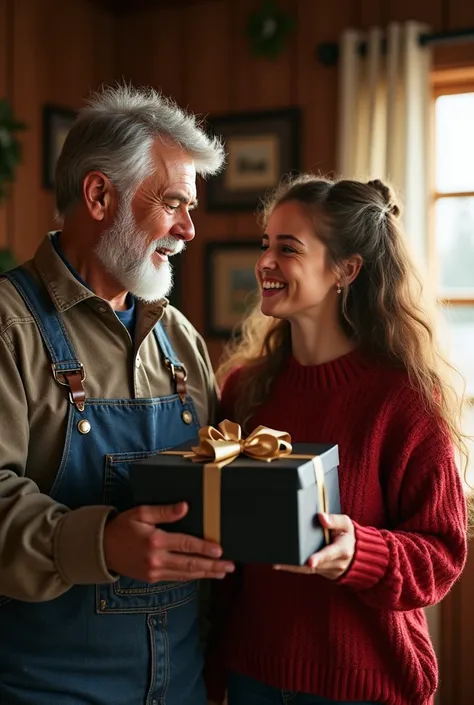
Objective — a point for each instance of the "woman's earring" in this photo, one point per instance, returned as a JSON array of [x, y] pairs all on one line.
[[338, 287]]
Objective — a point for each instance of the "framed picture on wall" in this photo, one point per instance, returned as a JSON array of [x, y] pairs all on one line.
[[230, 284], [261, 147], [57, 122]]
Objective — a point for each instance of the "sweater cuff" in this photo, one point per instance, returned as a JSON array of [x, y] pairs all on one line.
[[78, 546], [370, 560]]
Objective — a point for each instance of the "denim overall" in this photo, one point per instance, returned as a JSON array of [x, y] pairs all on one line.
[[128, 643]]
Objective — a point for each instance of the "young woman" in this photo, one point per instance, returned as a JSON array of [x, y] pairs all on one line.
[[341, 350]]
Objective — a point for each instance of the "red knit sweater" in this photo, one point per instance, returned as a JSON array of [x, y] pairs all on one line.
[[363, 637]]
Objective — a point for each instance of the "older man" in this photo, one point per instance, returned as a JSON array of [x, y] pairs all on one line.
[[97, 604]]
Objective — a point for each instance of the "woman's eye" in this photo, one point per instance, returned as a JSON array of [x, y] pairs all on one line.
[[264, 247], [288, 249]]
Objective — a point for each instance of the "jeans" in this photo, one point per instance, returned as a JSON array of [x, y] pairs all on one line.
[[242, 690]]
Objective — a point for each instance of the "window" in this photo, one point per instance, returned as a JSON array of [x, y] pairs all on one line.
[[453, 222]]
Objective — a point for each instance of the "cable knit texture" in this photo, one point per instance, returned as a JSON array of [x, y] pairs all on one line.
[[364, 636]]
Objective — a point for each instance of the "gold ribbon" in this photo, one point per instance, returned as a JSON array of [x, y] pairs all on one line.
[[220, 447]]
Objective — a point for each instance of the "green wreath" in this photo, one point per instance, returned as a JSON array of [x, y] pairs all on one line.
[[268, 29]]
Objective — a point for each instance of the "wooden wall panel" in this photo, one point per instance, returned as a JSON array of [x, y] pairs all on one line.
[[4, 63], [60, 52], [210, 70], [430, 12], [29, 202], [317, 84], [158, 59], [371, 13], [460, 13], [259, 83]]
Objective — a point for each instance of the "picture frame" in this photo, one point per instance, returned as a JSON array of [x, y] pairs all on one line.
[[261, 147], [57, 121], [230, 284]]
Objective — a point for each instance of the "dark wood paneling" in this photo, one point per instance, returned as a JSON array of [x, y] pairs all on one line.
[[317, 84], [260, 83], [48, 69], [3, 92], [210, 70], [158, 58], [460, 13], [457, 643], [131, 7], [429, 12], [371, 13]]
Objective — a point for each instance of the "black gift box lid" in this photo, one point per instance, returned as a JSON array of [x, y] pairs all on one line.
[[274, 475]]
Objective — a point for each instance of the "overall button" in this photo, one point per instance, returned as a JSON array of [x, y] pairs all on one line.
[[187, 416], [84, 426], [138, 362], [153, 621], [102, 308]]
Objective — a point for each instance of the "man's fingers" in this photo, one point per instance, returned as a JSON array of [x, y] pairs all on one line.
[[181, 543], [178, 577], [190, 565], [160, 514]]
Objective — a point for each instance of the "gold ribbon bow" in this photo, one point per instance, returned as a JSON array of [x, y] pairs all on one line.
[[220, 447], [225, 444]]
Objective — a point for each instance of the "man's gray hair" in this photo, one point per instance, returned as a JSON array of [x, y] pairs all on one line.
[[114, 134]]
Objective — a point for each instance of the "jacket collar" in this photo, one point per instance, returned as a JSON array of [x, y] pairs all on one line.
[[67, 291]]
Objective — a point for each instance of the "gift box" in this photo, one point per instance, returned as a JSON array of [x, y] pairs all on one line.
[[257, 497]]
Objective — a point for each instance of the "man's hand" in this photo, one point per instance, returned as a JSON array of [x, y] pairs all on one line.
[[134, 547], [331, 561]]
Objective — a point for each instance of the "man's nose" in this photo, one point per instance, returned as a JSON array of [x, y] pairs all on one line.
[[184, 228]]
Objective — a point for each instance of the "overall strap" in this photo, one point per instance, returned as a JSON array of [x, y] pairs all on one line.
[[67, 370], [176, 368]]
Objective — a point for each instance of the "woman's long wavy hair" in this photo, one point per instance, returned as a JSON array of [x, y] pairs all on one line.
[[382, 309]]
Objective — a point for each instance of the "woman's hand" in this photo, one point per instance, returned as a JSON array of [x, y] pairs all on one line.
[[333, 560]]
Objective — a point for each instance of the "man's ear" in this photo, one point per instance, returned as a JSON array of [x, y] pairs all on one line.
[[99, 195]]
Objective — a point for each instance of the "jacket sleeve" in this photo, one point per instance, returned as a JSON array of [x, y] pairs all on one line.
[[45, 548], [415, 563]]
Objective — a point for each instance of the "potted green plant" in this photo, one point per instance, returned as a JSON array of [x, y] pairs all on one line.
[[10, 157]]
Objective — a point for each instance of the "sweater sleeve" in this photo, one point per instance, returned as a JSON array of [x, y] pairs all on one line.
[[414, 564]]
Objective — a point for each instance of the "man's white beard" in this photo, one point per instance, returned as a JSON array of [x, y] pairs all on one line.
[[122, 250]]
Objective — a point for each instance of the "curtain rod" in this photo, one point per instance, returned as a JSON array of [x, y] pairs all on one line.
[[328, 52]]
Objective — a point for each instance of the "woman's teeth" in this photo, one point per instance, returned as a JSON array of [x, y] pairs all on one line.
[[273, 285]]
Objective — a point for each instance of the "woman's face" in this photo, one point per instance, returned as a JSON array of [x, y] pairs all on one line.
[[293, 271]]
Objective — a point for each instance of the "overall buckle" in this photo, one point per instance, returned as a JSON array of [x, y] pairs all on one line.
[[72, 377]]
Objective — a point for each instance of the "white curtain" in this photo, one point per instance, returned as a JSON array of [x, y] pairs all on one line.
[[384, 118]]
